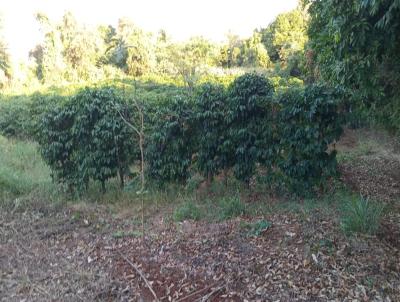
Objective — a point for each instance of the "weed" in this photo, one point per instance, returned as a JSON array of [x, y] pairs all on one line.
[[186, 211], [22, 171], [231, 207], [194, 183], [258, 227], [361, 215]]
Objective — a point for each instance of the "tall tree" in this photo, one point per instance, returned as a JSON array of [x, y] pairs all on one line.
[[255, 53], [286, 35], [49, 54], [5, 72], [132, 49], [356, 44], [82, 48]]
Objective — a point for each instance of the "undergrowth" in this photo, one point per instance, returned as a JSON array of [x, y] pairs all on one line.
[[361, 215], [22, 170]]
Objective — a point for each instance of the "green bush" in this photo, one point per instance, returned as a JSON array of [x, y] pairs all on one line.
[[361, 215], [187, 211], [85, 138], [308, 123], [231, 207], [171, 141], [250, 100], [243, 127], [210, 112], [14, 117], [19, 116]]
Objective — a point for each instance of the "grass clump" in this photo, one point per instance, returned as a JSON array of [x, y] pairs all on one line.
[[187, 211], [361, 215], [22, 170], [231, 207]]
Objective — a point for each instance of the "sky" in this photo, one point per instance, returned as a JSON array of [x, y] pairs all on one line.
[[181, 19]]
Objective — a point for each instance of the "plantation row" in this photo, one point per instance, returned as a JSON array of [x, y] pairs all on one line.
[[246, 128]]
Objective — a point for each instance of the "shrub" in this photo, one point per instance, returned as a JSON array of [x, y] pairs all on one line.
[[361, 215], [14, 117], [250, 98], [308, 123], [85, 138], [210, 113], [105, 143], [171, 142], [19, 116], [186, 211], [231, 207]]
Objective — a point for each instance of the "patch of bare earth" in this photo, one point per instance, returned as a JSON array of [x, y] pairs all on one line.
[[48, 256], [374, 170], [53, 258]]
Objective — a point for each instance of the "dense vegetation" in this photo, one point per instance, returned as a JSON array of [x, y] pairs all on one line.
[[239, 108]]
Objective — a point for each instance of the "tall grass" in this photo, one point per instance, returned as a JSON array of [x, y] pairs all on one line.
[[22, 170], [361, 215]]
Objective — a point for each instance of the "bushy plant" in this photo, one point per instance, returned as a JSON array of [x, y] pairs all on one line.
[[171, 142], [106, 143], [250, 97], [14, 117], [361, 215], [85, 138], [210, 114], [187, 211], [231, 207], [309, 122]]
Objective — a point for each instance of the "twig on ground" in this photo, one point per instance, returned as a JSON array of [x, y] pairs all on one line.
[[141, 275], [206, 297], [195, 293]]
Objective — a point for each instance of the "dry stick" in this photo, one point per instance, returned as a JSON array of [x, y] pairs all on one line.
[[141, 142], [206, 297], [141, 275], [195, 293]]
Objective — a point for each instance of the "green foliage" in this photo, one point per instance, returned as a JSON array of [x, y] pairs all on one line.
[[255, 53], [285, 39], [355, 44], [250, 99], [210, 112], [14, 118], [258, 227], [245, 127], [86, 138], [19, 116], [309, 122], [171, 141], [231, 207], [21, 169], [5, 72], [361, 215], [187, 211]]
